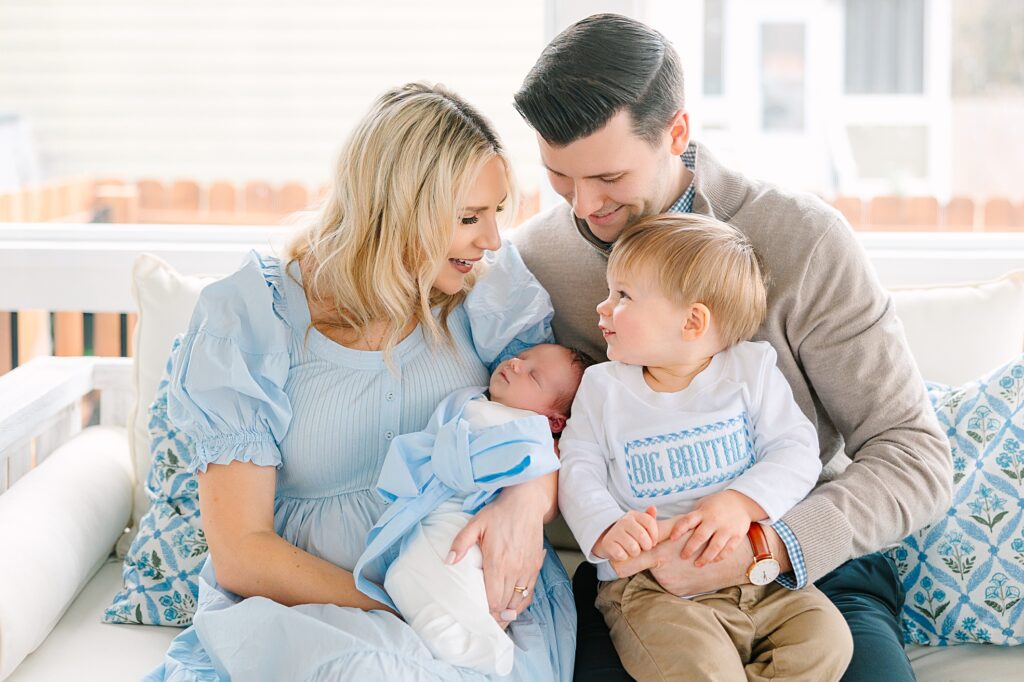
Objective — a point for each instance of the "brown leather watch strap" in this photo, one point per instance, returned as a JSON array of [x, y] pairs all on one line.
[[759, 542]]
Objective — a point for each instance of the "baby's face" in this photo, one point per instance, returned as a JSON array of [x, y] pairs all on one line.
[[640, 324], [535, 379]]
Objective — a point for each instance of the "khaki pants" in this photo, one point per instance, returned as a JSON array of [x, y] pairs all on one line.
[[739, 633]]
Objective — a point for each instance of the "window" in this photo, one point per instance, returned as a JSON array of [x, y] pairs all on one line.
[[782, 77], [884, 47], [714, 48], [890, 152]]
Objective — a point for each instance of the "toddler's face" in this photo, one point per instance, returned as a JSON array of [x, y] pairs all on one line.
[[535, 379], [640, 325]]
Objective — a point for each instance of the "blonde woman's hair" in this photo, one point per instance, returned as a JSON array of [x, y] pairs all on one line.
[[692, 258], [383, 233]]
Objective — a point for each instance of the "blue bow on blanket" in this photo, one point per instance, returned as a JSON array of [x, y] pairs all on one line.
[[425, 468]]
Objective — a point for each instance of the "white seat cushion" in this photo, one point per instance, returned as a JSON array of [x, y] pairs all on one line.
[[966, 663], [83, 648]]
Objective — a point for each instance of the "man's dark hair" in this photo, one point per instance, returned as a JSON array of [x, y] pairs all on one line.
[[595, 68]]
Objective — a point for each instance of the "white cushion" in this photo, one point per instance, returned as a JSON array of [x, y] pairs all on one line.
[[966, 663], [958, 333], [165, 300], [82, 648], [58, 524]]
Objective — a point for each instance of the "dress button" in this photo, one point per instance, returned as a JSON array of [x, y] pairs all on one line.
[[389, 435], [389, 395]]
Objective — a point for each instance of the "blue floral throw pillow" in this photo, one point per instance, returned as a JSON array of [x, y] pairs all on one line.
[[160, 569], [964, 575]]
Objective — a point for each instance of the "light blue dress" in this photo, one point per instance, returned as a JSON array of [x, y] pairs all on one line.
[[253, 382]]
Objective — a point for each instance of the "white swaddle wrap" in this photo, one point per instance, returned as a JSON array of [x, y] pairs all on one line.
[[447, 604]]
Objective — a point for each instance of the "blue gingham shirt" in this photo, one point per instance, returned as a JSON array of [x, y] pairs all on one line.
[[798, 578]]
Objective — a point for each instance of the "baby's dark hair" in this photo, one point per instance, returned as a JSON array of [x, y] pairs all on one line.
[[579, 361]]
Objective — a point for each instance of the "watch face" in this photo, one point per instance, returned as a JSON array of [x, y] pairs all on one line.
[[763, 572]]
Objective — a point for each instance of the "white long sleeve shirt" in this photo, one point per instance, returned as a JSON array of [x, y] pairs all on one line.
[[627, 446]]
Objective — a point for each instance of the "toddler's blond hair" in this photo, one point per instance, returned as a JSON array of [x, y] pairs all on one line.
[[693, 258]]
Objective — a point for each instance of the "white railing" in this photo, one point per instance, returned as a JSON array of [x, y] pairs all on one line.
[[41, 407], [54, 266], [88, 267], [912, 259]]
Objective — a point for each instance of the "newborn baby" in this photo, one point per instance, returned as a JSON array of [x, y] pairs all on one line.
[[477, 442]]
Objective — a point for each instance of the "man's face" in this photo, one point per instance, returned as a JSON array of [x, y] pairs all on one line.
[[612, 178]]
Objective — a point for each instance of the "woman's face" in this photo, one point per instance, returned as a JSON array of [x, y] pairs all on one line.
[[476, 228]]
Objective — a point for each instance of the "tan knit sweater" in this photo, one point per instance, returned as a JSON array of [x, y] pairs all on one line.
[[839, 344]]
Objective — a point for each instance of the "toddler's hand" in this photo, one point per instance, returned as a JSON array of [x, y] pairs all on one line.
[[721, 520], [634, 533]]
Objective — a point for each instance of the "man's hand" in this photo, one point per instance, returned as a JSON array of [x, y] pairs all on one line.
[[634, 533], [719, 523], [680, 577]]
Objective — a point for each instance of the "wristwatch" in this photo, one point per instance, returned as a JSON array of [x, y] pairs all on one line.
[[765, 568]]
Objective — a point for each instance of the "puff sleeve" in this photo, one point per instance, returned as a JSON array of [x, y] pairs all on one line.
[[227, 376], [509, 310]]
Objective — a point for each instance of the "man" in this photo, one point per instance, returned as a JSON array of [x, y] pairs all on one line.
[[606, 100]]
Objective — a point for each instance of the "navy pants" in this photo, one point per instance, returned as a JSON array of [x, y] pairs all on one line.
[[866, 591]]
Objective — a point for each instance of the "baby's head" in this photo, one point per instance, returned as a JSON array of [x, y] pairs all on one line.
[[542, 379], [681, 287]]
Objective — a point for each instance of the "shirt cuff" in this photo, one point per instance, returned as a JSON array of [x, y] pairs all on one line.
[[798, 577]]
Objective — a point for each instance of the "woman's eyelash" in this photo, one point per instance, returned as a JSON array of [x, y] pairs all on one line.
[[472, 220], [612, 181]]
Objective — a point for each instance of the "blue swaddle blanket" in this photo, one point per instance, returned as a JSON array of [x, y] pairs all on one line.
[[423, 469]]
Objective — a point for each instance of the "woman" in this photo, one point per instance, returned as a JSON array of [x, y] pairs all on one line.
[[295, 375]]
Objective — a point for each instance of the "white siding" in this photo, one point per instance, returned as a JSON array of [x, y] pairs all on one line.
[[244, 90]]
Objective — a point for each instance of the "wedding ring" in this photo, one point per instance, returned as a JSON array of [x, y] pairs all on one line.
[[521, 590]]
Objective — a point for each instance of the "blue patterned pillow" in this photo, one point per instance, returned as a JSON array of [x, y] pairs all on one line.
[[161, 566], [964, 575]]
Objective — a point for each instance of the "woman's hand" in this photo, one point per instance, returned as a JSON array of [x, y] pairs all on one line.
[[510, 532]]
